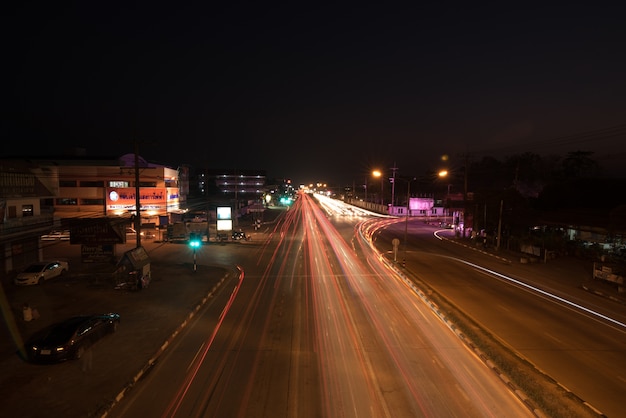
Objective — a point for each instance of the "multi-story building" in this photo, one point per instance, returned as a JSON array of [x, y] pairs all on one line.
[[230, 182], [23, 185], [37, 195], [109, 189]]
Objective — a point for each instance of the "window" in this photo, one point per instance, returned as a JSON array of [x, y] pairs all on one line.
[[147, 184], [66, 201], [27, 210], [99, 183], [67, 183], [99, 202]]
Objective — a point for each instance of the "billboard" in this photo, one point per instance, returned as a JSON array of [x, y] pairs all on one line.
[[224, 212], [150, 198], [224, 218]]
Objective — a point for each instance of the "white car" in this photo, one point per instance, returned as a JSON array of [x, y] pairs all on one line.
[[56, 236], [37, 273]]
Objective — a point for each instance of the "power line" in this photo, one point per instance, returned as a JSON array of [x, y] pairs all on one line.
[[594, 138]]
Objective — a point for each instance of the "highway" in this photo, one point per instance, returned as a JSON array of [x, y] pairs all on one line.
[[317, 324]]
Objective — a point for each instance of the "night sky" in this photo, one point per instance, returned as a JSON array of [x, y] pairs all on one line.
[[311, 92]]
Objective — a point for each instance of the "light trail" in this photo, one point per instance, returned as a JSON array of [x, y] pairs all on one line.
[[370, 289], [198, 360], [548, 295]]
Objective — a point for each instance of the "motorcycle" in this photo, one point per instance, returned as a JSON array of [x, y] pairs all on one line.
[[239, 235]]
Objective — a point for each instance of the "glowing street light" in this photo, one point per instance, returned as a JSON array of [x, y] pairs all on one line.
[[378, 173]]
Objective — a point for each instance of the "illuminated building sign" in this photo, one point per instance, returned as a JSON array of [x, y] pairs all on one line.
[[150, 198], [224, 212], [224, 218]]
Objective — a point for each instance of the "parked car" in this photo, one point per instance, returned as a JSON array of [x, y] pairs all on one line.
[[68, 339], [132, 233], [56, 236], [37, 273]]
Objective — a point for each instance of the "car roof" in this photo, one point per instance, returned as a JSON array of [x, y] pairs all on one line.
[[35, 267]]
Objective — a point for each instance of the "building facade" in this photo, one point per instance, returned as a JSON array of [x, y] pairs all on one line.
[[38, 195]]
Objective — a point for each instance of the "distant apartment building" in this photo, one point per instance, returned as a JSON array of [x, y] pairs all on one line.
[[230, 182]]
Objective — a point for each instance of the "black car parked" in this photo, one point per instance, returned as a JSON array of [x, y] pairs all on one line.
[[68, 339]]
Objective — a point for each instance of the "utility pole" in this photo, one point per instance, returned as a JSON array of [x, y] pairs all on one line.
[[236, 201], [408, 212], [365, 186], [208, 203], [137, 197], [465, 195], [137, 220], [393, 185]]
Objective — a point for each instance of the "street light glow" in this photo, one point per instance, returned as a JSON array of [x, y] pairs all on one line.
[[378, 173]]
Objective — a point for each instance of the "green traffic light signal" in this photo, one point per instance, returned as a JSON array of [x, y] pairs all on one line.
[[194, 241]]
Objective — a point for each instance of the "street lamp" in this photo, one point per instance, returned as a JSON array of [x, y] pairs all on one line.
[[378, 173], [442, 175]]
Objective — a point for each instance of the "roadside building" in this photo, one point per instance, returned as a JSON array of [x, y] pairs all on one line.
[[23, 218], [38, 195]]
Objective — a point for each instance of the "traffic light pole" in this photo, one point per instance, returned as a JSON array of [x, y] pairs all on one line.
[[195, 241]]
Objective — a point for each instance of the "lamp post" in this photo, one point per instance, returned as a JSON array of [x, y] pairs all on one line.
[[378, 173], [393, 185], [442, 175]]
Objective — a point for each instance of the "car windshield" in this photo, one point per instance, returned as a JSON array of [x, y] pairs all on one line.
[[34, 268], [61, 332]]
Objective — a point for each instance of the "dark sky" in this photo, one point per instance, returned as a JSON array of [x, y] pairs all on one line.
[[314, 93]]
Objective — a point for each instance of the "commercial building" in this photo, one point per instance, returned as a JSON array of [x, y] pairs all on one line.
[[38, 195]]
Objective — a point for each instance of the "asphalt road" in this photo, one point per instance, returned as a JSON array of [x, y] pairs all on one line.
[[150, 318], [318, 331], [552, 314]]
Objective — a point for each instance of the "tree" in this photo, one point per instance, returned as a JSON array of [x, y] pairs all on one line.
[[579, 164]]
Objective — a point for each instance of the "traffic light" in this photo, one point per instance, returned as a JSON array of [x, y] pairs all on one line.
[[285, 200], [195, 240]]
